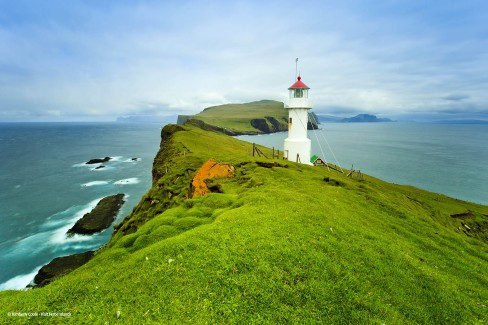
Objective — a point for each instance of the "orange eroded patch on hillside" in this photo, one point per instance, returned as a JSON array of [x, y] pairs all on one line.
[[211, 169]]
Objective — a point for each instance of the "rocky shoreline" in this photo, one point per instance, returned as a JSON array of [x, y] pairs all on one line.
[[100, 218], [58, 267]]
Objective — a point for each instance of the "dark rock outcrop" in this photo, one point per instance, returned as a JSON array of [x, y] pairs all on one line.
[[60, 266], [100, 218], [97, 160], [183, 118], [313, 121], [312, 126], [276, 125], [261, 125]]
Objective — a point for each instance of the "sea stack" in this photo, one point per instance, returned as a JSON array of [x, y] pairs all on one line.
[[100, 218]]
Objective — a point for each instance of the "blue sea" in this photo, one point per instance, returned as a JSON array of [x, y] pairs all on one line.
[[45, 187], [451, 159]]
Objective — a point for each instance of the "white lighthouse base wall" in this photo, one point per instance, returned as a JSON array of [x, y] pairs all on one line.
[[302, 147]]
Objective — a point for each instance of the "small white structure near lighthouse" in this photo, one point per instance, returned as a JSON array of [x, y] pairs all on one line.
[[298, 145]]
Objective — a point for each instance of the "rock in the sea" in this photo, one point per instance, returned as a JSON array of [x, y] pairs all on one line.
[[100, 167], [100, 218], [97, 160], [60, 266]]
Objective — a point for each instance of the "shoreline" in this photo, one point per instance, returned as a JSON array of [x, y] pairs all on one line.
[[59, 186]]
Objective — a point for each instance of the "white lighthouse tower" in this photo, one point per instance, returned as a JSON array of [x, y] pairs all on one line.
[[298, 145]]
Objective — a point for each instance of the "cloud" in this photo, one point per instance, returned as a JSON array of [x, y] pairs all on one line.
[[102, 60], [456, 97]]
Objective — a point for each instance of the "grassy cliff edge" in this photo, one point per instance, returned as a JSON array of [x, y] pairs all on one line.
[[278, 242]]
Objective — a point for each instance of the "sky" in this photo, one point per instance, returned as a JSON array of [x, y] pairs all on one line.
[[98, 60]]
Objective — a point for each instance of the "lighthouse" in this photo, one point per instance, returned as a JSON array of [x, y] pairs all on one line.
[[298, 145]]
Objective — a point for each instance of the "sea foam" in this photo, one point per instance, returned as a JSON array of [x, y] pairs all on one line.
[[132, 160], [20, 281], [51, 237], [94, 183], [127, 181], [59, 235], [52, 233]]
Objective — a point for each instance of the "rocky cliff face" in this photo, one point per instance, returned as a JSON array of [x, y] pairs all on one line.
[[209, 127], [172, 175], [182, 119], [269, 124]]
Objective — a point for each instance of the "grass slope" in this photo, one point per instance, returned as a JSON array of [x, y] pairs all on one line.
[[238, 117], [283, 243]]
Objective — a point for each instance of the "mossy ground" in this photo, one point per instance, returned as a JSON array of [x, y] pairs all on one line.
[[283, 243]]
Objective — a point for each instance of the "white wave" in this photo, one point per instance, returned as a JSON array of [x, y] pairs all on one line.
[[94, 183], [51, 236], [81, 247], [132, 160], [80, 165], [127, 181], [59, 236], [28, 246], [53, 232], [84, 164], [116, 158], [19, 282]]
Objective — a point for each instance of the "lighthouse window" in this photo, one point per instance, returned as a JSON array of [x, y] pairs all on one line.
[[298, 93]]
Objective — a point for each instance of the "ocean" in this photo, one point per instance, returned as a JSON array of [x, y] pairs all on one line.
[[450, 159], [45, 187]]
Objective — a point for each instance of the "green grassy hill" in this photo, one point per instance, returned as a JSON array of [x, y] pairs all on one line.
[[277, 243], [263, 116]]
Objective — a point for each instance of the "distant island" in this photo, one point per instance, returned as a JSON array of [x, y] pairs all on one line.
[[362, 118]]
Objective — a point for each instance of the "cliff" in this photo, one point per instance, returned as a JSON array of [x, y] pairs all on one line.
[[273, 241]]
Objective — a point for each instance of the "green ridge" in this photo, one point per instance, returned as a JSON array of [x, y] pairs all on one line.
[[263, 116], [282, 243]]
